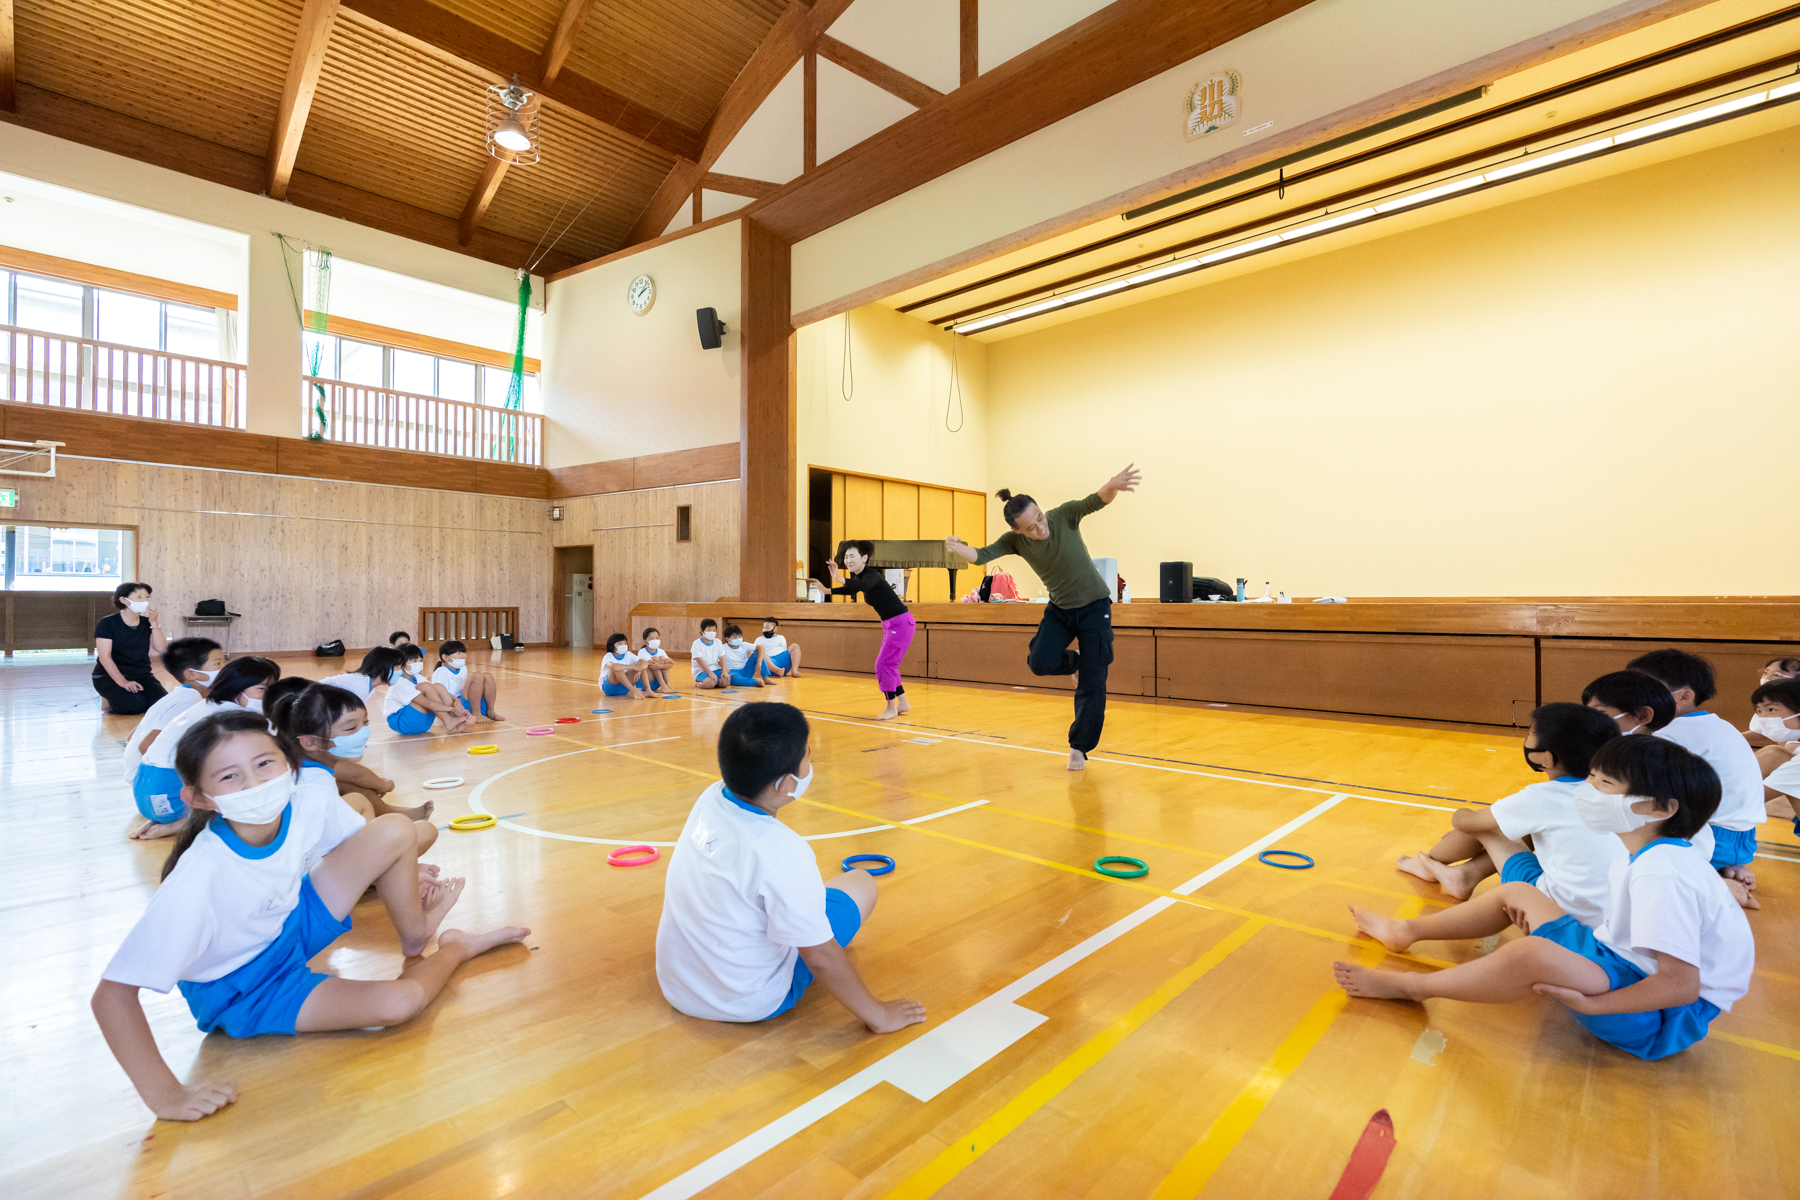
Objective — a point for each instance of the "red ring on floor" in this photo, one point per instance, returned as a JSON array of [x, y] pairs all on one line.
[[617, 857]]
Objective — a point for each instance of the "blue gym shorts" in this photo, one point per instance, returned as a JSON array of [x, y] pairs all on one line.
[[743, 677], [609, 688], [1649, 1035], [1732, 847], [157, 791], [784, 660], [471, 708], [1523, 867], [846, 920], [265, 994], [410, 720]]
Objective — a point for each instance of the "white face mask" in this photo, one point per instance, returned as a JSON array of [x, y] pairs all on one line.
[[708, 635], [258, 805], [457, 663], [803, 782], [654, 643], [1605, 813], [1628, 717], [415, 668], [138, 606], [254, 706], [206, 677], [736, 642], [1774, 728]]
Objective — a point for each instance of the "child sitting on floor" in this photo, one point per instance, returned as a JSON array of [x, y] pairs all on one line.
[[1636, 702], [1535, 834], [1762, 731], [707, 654], [478, 691], [779, 656], [157, 785], [1777, 720], [413, 703], [331, 727], [1673, 952], [194, 662], [239, 914], [654, 664], [1689, 679], [743, 663], [747, 923], [621, 672]]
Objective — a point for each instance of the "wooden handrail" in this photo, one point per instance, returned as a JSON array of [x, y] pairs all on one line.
[[362, 415], [465, 623], [59, 371]]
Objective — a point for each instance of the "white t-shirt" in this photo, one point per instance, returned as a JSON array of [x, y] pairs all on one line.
[[1773, 728], [1577, 861], [159, 716], [772, 644], [1785, 778], [1677, 904], [162, 750], [649, 655], [737, 657], [742, 894], [219, 908], [625, 659], [1740, 777], [359, 685], [451, 681], [400, 693], [706, 654], [319, 783]]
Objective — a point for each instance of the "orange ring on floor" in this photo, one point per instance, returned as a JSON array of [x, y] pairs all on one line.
[[617, 857]]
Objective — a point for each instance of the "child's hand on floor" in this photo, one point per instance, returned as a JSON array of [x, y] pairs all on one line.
[[192, 1101], [896, 1015]]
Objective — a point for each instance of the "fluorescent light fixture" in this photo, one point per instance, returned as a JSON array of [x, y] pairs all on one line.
[[1436, 193], [1240, 248], [1163, 272], [1781, 93], [1294, 235], [1699, 114], [1548, 160]]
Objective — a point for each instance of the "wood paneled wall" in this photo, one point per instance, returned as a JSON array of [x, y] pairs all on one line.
[[314, 560], [638, 560], [863, 506]]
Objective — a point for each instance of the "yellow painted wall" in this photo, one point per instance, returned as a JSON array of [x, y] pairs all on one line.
[[1582, 393], [902, 420], [617, 384]]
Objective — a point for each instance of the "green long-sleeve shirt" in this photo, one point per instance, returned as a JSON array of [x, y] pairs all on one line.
[[1060, 560]]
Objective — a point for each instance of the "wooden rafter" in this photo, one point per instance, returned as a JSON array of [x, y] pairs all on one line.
[[792, 36], [562, 40], [876, 72], [809, 111], [738, 185], [297, 95], [447, 36], [8, 59], [969, 41]]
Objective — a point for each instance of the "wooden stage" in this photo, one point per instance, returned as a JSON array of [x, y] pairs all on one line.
[[1173, 1036]]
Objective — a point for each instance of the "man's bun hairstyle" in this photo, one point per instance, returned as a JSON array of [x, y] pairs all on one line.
[[1015, 505]]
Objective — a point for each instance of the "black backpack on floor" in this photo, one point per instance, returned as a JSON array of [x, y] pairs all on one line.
[[330, 649]]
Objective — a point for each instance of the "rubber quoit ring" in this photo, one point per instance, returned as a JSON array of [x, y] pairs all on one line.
[[1143, 868], [473, 821], [447, 781], [540, 731], [568, 720], [484, 749], [1302, 865], [617, 857], [599, 711], [886, 869]]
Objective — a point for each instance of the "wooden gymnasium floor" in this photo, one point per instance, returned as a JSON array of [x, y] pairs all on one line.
[[1086, 1037]]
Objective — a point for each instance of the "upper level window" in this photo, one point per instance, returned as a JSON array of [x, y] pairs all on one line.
[[370, 364], [57, 306]]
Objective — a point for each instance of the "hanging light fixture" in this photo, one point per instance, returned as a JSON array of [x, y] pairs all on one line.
[[512, 123]]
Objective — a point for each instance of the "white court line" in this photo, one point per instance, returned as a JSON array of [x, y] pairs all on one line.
[[923, 1068], [477, 806], [1777, 857]]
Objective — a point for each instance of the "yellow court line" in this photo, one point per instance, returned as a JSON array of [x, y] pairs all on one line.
[[951, 1162], [1737, 1039], [1229, 1127]]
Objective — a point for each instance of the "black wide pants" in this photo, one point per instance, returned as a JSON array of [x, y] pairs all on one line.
[[1090, 628]]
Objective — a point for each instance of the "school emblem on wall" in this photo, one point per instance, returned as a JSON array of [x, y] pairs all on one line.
[[1212, 104]]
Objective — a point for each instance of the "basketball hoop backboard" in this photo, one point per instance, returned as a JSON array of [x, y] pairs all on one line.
[[37, 459]]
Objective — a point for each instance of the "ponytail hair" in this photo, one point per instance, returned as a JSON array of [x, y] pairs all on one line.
[[379, 662], [240, 675], [200, 740], [447, 649], [1015, 505], [312, 713]]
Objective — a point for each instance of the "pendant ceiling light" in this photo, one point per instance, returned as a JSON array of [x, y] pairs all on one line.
[[512, 123]]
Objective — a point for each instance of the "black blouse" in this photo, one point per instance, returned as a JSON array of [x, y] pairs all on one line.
[[875, 589], [130, 646]]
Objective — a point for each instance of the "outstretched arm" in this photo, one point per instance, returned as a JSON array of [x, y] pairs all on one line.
[[1124, 481], [960, 548], [832, 967], [128, 1035]]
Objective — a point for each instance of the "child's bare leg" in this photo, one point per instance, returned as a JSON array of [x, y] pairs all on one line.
[[385, 852], [1500, 978], [1772, 756], [859, 885], [363, 804], [793, 661], [486, 688], [359, 1004], [353, 776], [419, 812], [1473, 919], [1454, 847]]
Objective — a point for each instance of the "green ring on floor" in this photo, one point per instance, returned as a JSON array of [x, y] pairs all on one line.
[[1143, 868]]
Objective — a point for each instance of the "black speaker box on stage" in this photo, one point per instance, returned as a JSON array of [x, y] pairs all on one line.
[[1177, 582]]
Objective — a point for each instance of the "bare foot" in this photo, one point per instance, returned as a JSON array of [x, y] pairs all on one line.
[[905, 705], [420, 813], [444, 894], [1743, 895], [794, 673], [1077, 761], [152, 831], [1742, 873], [1389, 931], [472, 944], [1453, 879], [1370, 985], [1414, 864], [428, 870], [888, 714]]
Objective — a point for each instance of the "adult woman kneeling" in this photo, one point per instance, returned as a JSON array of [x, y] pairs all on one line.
[[123, 644], [1080, 608]]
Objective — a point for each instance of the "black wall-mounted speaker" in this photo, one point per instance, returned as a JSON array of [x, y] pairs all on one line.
[[1177, 582], [712, 330]]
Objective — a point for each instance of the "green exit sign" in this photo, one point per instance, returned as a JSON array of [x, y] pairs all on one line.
[[9, 498]]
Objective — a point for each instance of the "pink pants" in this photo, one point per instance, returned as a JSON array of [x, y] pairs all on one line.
[[896, 638]]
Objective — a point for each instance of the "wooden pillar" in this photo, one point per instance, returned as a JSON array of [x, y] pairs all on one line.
[[969, 40], [809, 107], [767, 470]]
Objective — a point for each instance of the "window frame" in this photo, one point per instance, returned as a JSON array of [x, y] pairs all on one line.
[[90, 295]]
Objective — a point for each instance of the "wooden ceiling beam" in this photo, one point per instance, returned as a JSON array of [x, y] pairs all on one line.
[[1117, 47], [297, 95], [791, 37], [876, 72], [90, 125], [447, 36], [969, 41], [739, 185], [9, 68], [562, 40]]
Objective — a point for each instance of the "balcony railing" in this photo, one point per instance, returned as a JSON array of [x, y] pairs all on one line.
[[126, 381], [373, 416]]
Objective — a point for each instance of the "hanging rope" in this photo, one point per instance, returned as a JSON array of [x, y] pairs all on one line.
[[308, 272], [955, 388], [847, 375]]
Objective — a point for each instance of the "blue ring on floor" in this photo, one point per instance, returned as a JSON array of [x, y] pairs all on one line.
[[880, 858], [598, 711], [1263, 858]]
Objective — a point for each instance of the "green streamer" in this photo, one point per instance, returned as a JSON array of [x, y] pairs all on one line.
[[315, 319], [515, 388]]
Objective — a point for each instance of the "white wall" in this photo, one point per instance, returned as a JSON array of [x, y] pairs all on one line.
[[618, 385]]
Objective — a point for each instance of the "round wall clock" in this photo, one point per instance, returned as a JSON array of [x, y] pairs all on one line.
[[641, 294]]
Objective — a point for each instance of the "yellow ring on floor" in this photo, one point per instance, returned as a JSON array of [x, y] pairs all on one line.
[[473, 821], [484, 749]]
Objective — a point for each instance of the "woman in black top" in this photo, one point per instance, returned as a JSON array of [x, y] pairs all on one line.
[[123, 644], [896, 622]]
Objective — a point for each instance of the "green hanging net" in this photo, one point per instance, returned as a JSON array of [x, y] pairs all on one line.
[[515, 388], [309, 283]]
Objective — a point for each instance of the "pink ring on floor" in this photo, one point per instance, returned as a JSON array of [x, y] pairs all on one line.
[[540, 731], [617, 857]]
